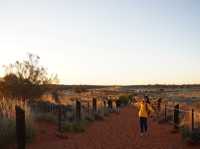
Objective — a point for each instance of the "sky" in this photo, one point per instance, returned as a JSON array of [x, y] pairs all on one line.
[[105, 42]]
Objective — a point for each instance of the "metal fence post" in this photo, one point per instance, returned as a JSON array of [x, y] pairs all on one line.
[[104, 103], [165, 112], [110, 105], [59, 118], [78, 110], [176, 116], [192, 119], [94, 105], [20, 128], [88, 108]]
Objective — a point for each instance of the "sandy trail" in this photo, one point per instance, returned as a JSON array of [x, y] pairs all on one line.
[[115, 132]]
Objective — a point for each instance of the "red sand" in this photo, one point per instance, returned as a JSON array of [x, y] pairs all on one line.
[[115, 132]]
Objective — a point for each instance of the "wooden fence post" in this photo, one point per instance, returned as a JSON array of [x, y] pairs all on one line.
[[192, 119], [94, 105], [176, 116], [78, 110], [20, 128]]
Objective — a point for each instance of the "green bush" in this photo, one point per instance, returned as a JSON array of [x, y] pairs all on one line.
[[30, 132], [48, 117], [78, 127], [98, 116], [185, 132], [8, 122], [195, 136], [188, 135], [124, 100], [89, 118], [75, 126], [67, 127], [8, 131], [106, 114]]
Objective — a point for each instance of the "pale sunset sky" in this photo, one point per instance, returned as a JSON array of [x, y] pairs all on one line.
[[115, 42]]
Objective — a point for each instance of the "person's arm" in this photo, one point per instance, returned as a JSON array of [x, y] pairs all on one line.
[[150, 108], [137, 105]]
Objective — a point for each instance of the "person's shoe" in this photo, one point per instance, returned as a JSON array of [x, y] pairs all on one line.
[[141, 134]]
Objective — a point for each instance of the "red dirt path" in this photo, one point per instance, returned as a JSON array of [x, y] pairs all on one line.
[[115, 132]]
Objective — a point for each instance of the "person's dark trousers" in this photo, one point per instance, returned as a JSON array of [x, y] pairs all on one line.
[[143, 124]]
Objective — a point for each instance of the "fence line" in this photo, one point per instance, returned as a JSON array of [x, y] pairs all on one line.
[[76, 111], [175, 114]]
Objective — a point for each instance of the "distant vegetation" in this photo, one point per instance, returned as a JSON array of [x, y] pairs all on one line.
[[125, 99], [79, 89], [26, 79]]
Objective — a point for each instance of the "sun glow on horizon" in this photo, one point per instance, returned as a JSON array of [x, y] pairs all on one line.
[[120, 43]]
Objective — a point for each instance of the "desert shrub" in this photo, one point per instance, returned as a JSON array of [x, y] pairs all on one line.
[[188, 135], [195, 136], [89, 118], [30, 131], [67, 127], [124, 99], [26, 79], [98, 116], [79, 89], [8, 122], [7, 132], [170, 118], [75, 126], [48, 117], [106, 114], [78, 127]]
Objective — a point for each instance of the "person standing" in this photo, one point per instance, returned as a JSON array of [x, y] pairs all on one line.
[[144, 112], [110, 106], [118, 104]]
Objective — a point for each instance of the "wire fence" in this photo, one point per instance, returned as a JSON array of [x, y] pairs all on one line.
[[77, 108], [178, 114], [17, 116]]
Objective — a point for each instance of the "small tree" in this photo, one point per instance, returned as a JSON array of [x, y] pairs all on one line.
[[26, 79]]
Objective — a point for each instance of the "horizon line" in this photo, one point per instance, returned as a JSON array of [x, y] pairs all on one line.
[[190, 84]]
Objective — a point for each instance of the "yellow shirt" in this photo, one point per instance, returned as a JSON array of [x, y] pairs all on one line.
[[143, 110]]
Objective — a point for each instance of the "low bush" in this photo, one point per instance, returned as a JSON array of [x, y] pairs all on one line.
[[48, 117], [124, 99], [30, 131], [105, 112], [75, 126], [98, 116], [8, 132], [170, 118], [89, 118], [8, 122], [67, 127], [78, 127], [190, 136]]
